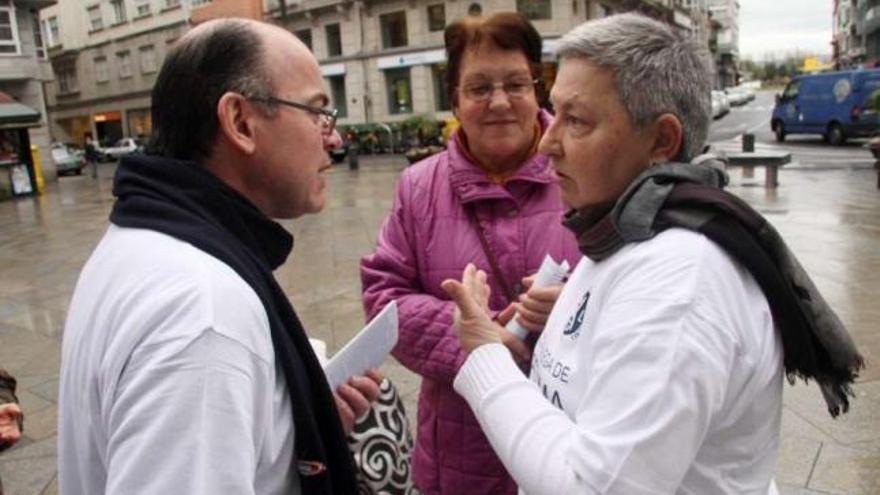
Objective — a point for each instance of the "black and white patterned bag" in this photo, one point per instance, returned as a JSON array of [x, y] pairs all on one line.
[[382, 445]]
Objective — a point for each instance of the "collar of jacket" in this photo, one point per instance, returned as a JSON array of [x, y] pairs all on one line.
[[471, 183]]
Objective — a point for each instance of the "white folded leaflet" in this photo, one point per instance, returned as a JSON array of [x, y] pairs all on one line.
[[368, 349], [549, 273]]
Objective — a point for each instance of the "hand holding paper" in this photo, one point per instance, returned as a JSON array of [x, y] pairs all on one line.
[[550, 273], [368, 349], [354, 397]]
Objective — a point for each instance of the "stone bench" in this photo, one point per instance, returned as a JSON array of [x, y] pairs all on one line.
[[770, 160]]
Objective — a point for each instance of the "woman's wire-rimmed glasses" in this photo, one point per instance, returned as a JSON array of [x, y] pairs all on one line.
[[515, 88]]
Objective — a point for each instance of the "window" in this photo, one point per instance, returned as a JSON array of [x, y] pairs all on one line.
[[334, 40], [8, 29], [305, 35], [170, 4], [66, 75], [534, 9], [436, 17], [53, 31], [118, 11], [791, 91], [441, 95], [399, 90], [39, 46], [393, 29], [123, 59], [96, 20], [142, 8], [148, 59], [102, 75], [337, 92]]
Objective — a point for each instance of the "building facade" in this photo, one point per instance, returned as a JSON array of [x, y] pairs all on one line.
[[383, 60], [23, 72], [105, 56], [856, 33], [870, 28], [724, 40], [848, 44]]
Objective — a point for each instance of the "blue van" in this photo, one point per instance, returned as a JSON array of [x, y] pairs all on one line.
[[837, 105]]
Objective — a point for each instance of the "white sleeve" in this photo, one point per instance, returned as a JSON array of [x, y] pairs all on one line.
[[188, 421], [657, 375]]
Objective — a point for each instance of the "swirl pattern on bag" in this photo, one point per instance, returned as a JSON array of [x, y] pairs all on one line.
[[382, 445]]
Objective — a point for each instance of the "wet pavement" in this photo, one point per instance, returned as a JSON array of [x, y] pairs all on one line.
[[830, 216]]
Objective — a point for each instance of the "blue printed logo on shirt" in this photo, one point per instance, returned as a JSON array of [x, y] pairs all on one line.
[[574, 324]]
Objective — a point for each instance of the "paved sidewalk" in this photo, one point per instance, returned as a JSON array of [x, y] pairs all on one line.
[[830, 217]]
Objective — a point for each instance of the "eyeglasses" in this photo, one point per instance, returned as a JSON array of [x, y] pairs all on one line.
[[516, 88], [328, 116]]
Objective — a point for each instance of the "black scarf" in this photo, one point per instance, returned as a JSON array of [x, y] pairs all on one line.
[[185, 201], [815, 343]]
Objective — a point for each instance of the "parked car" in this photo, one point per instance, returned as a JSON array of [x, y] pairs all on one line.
[[68, 159], [720, 104], [122, 147], [837, 105], [737, 96]]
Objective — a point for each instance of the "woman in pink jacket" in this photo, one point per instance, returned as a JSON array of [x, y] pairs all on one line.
[[489, 199]]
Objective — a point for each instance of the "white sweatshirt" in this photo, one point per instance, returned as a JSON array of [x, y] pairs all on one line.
[[168, 377], [658, 372]]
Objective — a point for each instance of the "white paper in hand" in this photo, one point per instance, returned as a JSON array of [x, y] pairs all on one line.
[[549, 273], [368, 349]]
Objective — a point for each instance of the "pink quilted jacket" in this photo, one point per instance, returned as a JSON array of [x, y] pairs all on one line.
[[428, 237]]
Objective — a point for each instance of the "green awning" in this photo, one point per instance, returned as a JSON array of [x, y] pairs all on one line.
[[14, 114]]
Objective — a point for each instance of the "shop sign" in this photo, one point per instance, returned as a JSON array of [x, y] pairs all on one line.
[[409, 59]]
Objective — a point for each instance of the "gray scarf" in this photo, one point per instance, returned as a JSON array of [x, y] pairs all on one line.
[[815, 343]]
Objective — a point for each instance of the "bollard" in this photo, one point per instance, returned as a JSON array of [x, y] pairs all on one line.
[[38, 171], [748, 145], [748, 142], [353, 156]]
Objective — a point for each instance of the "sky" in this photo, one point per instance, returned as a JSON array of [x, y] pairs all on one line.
[[774, 28]]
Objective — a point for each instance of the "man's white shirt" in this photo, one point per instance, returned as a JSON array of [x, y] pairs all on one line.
[[169, 382]]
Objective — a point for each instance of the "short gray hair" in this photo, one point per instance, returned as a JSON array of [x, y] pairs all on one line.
[[655, 71]]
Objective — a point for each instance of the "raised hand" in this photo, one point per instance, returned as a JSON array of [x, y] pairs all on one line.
[[472, 320]]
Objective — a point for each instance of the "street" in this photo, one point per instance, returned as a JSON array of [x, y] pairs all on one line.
[[827, 206], [809, 152]]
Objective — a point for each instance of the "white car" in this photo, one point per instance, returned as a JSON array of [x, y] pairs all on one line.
[[68, 160], [720, 104], [737, 96], [122, 147]]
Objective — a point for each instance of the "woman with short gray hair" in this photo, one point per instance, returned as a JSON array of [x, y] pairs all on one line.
[[655, 71], [660, 368]]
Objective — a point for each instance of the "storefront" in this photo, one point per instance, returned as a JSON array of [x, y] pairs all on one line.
[[17, 175], [109, 127]]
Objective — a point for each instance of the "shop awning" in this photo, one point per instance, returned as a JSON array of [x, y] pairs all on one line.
[[15, 115]]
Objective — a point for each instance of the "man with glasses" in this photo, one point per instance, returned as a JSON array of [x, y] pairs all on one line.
[[184, 367]]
